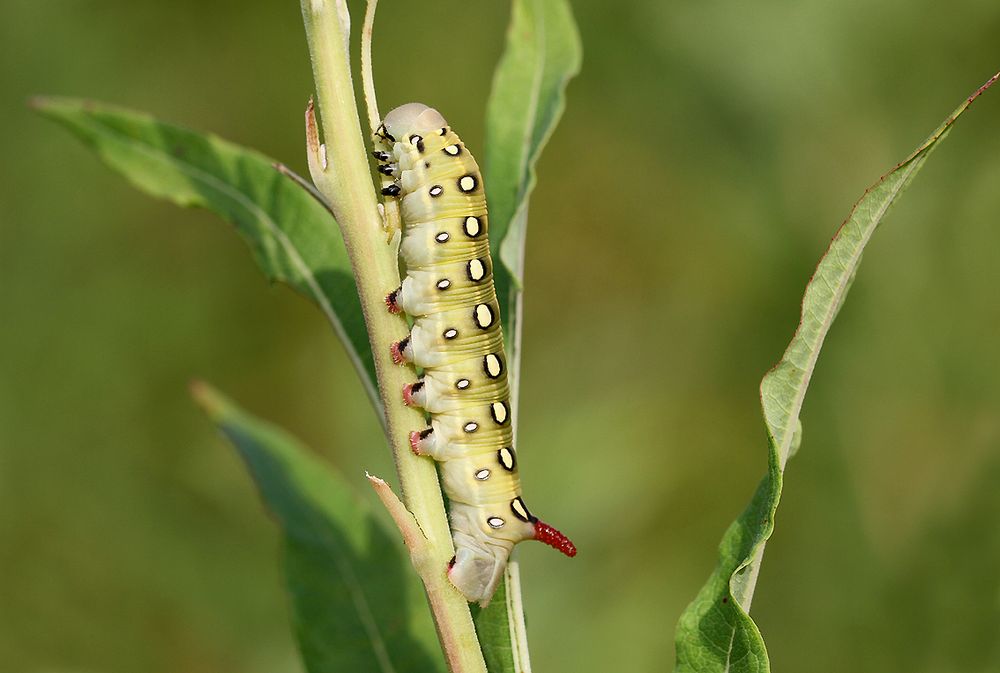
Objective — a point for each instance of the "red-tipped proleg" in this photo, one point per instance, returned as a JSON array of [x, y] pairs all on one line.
[[396, 350], [409, 390], [390, 302], [415, 443], [552, 537]]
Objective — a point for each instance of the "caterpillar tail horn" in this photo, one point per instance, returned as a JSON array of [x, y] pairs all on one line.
[[552, 537]]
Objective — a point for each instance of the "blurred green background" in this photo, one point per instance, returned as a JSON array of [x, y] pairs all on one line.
[[709, 150]]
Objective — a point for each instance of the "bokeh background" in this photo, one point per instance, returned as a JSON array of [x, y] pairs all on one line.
[[709, 150]]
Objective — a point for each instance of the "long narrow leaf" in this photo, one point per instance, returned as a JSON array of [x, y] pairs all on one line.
[[715, 633], [292, 237], [356, 603], [542, 54]]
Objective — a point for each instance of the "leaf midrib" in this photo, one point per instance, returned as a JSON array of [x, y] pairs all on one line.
[[198, 174]]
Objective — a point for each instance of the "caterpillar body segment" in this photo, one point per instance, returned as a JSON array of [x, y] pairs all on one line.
[[457, 340]]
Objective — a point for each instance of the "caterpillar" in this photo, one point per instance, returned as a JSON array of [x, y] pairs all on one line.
[[457, 341]]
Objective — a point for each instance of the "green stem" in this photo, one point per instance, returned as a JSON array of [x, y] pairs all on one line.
[[343, 175]]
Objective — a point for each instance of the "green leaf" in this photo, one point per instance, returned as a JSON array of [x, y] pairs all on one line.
[[356, 605], [542, 54], [292, 237], [715, 633], [527, 99]]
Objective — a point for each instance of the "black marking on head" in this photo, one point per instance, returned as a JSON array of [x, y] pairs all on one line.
[[467, 183], [495, 522], [519, 509], [507, 458], [391, 190], [444, 131], [493, 365], [500, 412], [436, 191], [450, 333], [442, 237]]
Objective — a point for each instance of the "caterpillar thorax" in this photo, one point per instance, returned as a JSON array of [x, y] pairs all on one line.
[[456, 339]]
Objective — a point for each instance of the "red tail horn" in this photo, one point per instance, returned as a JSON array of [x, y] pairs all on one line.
[[552, 537]]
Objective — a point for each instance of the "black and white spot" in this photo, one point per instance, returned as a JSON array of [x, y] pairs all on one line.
[[467, 183], [472, 227], [493, 365], [507, 458], [483, 316]]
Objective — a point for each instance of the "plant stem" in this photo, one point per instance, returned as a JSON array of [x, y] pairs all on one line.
[[344, 177]]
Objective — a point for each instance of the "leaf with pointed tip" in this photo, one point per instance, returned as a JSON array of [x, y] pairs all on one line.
[[292, 237], [542, 54], [356, 604], [715, 633]]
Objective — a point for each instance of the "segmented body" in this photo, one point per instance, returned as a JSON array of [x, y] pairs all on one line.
[[458, 342]]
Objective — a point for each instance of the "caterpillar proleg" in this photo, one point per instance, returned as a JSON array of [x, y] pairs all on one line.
[[457, 340]]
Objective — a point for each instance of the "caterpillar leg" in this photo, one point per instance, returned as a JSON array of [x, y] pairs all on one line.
[[413, 394], [423, 442], [390, 301], [401, 351]]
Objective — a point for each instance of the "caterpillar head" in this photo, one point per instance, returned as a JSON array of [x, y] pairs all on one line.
[[413, 118]]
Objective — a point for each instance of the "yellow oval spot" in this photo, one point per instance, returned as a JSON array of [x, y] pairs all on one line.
[[493, 366], [477, 271], [484, 316]]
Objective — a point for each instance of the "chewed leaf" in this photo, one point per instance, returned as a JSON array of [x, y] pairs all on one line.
[[716, 633], [292, 237], [356, 604]]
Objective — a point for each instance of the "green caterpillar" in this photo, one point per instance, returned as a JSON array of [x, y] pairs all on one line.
[[456, 339]]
